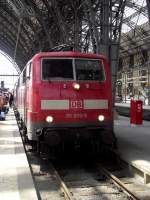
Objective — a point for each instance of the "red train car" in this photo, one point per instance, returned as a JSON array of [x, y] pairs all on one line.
[[66, 97]]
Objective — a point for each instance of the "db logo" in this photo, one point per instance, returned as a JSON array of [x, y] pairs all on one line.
[[76, 104]]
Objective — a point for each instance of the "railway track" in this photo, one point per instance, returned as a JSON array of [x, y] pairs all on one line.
[[86, 183], [77, 182], [100, 182], [104, 179]]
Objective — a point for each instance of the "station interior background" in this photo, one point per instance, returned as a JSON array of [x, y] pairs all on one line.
[[133, 77], [8, 73]]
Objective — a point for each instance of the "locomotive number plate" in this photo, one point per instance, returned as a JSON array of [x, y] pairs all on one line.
[[76, 104]]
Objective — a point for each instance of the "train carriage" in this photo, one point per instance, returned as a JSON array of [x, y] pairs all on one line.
[[66, 97]]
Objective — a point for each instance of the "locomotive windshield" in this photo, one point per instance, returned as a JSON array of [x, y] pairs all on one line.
[[73, 69], [89, 70], [57, 69]]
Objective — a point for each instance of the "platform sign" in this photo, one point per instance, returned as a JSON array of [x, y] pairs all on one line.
[[136, 112]]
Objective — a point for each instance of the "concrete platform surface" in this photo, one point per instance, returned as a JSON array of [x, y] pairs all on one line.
[[134, 142], [15, 176]]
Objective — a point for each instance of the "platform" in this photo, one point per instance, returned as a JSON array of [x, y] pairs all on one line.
[[16, 181], [134, 143]]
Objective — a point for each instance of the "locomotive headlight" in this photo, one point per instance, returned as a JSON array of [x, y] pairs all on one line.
[[101, 118], [49, 119], [76, 86]]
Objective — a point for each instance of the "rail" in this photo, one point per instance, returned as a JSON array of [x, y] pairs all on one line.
[[117, 182]]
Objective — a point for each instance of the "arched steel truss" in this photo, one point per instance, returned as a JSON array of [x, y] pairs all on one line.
[[87, 25]]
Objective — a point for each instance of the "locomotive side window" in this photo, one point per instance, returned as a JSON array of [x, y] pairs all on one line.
[[18, 82], [57, 69], [24, 75], [21, 79], [89, 70], [28, 75]]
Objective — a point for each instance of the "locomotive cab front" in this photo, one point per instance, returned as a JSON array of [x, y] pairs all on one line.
[[71, 98]]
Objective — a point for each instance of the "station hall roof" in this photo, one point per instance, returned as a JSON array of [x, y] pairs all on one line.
[[31, 26]]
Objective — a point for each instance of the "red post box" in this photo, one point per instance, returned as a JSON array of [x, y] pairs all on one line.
[[136, 112]]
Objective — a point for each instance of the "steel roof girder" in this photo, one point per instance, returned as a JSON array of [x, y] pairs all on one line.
[[9, 28], [23, 29], [10, 34], [41, 21], [58, 16]]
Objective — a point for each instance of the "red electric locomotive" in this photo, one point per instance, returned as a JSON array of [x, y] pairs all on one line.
[[66, 97]]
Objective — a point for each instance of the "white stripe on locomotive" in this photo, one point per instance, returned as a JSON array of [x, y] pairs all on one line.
[[55, 104], [64, 104], [95, 104]]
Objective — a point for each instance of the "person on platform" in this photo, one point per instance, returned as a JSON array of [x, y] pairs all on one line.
[[11, 99], [2, 103]]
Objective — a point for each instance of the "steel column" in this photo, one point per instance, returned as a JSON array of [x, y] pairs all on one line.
[[111, 23], [148, 8]]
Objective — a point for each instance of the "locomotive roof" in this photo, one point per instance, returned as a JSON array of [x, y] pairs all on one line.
[[68, 54]]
